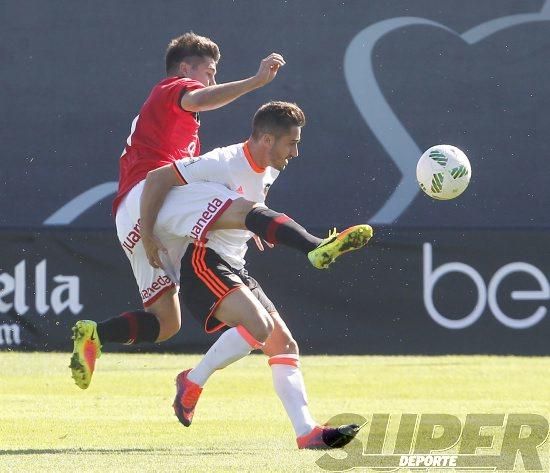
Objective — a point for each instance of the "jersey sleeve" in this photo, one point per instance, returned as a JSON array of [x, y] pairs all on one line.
[[211, 167], [178, 88]]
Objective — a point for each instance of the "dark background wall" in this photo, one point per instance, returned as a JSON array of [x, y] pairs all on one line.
[[380, 81]]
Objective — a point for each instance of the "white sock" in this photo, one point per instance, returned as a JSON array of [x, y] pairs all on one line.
[[232, 345], [290, 387]]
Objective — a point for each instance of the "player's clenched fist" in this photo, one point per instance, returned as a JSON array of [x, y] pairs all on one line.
[[268, 68]]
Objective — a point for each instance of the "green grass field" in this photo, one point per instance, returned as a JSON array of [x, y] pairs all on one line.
[[124, 421]]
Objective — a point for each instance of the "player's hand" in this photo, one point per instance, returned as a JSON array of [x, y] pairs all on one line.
[[153, 246], [259, 243], [268, 69]]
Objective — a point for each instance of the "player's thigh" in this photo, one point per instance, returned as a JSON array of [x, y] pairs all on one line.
[[157, 289], [234, 216], [215, 294], [280, 341], [193, 209], [241, 307]]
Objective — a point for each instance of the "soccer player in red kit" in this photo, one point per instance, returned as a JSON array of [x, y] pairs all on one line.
[[165, 130]]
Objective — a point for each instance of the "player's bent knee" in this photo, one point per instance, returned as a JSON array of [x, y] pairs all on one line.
[[292, 347], [167, 311], [281, 344], [270, 325], [280, 341], [168, 328], [241, 307], [262, 327]]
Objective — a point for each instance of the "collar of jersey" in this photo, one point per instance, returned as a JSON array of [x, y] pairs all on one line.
[[251, 161]]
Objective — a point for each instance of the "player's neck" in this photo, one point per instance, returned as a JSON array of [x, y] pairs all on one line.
[[257, 153]]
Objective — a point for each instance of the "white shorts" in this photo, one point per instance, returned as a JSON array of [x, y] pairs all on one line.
[[187, 213]]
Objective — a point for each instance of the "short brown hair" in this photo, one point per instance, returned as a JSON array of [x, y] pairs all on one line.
[[190, 45], [276, 118]]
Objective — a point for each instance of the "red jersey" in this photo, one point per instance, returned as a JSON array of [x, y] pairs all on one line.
[[160, 134]]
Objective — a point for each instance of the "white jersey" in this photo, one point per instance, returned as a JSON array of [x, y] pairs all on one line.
[[221, 176], [234, 168], [187, 210]]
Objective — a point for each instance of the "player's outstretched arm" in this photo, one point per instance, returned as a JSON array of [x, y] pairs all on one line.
[[216, 96], [157, 185]]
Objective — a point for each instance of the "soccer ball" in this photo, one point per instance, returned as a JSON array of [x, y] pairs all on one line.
[[443, 172]]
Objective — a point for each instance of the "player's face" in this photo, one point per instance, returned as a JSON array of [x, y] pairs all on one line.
[[285, 148], [203, 71]]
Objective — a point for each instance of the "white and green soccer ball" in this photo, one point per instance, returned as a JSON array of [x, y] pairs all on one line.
[[443, 172]]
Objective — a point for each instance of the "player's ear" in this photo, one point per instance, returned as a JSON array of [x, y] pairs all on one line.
[[184, 69], [267, 139]]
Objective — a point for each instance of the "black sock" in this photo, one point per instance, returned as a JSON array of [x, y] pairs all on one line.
[[275, 227], [129, 328]]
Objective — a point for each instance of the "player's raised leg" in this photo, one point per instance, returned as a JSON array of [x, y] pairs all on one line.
[[337, 244], [275, 227]]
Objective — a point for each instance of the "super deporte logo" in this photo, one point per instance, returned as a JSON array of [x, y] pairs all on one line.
[[479, 442]]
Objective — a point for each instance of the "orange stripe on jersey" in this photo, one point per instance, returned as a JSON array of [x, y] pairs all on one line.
[[178, 175], [250, 160], [200, 273]]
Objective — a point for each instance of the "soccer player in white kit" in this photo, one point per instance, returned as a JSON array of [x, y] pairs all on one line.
[[214, 284]]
